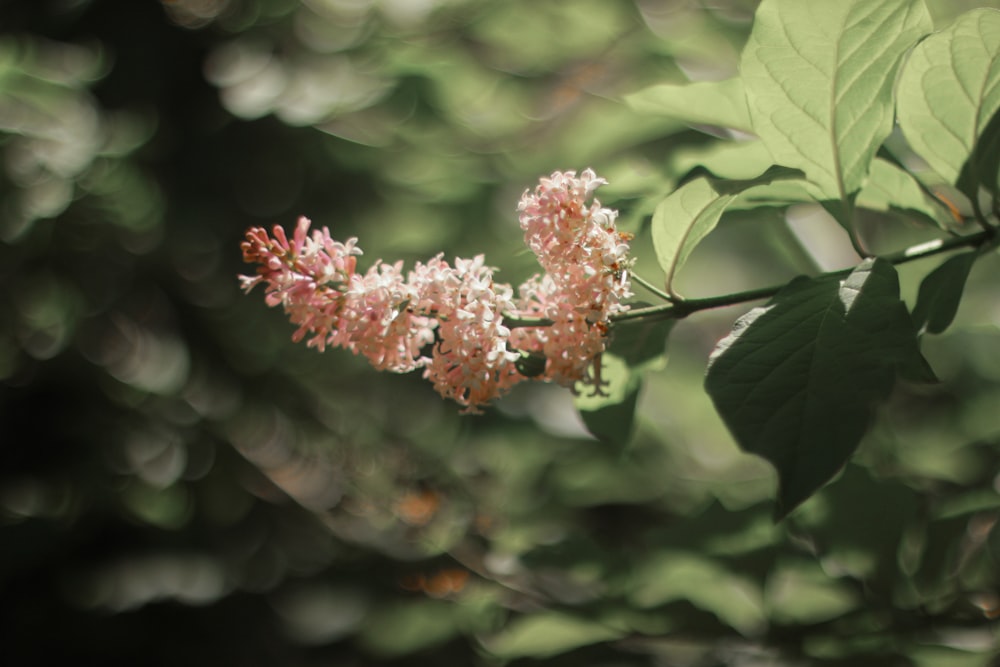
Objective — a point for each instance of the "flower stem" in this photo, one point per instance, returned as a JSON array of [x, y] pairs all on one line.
[[652, 288], [686, 307]]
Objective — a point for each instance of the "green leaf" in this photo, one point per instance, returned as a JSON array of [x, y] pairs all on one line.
[[983, 166], [890, 187], [949, 90], [941, 292], [682, 220], [865, 550], [689, 213], [721, 103], [675, 575], [777, 195], [609, 413], [818, 78], [548, 633], [641, 343], [799, 592], [636, 346], [724, 159], [797, 379], [407, 627]]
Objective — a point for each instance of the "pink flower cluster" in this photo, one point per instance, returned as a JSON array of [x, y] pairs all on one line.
[[449, 320]]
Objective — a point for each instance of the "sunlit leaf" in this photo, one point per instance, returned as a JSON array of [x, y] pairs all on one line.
[[723, 159], [721, 103], [949, 90], [688, 214], [548, 633], [800, 592], [674, 575], [891, 188], [682, 220], [941, 292], [797, 379], [923, 655], [780, 194], [818, 79]]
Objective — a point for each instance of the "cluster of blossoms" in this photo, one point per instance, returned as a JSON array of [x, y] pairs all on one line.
[[449, 320]]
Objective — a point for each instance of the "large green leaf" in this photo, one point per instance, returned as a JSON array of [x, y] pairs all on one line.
[[941, 292], [689, 213], [818, 78], [797, 379], [721, 103], [949, 90]]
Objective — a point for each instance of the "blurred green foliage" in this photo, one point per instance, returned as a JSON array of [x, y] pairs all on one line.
[[180, 484]]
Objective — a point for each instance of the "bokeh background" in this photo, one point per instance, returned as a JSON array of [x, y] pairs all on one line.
[[180, 484]]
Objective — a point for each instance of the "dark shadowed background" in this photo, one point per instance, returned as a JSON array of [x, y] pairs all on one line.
[[180, 484]]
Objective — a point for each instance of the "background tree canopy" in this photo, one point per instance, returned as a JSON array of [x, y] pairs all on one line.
[[181, 484]]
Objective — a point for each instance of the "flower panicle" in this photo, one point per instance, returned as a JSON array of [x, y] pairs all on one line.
[[448, 318]]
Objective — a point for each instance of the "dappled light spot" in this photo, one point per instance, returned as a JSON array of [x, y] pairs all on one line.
[[319, 88], [301, 89], [399, 13], [255, 94], [272, 444], [440, 584], [27, 497], [48, 309], [194, 14], [45, 198], [988, 603], [212, 394], [153, 361], [158, 456], [167, 508], [54, 130], [265, 437], [550, 407], [137, 581], [317, 615], [417, 508], [127, 197], [798, 592], [311, 482], [326, 31]]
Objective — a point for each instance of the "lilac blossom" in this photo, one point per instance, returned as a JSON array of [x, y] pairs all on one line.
[[453, 321]]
